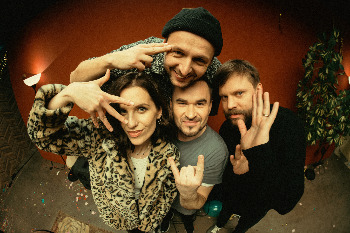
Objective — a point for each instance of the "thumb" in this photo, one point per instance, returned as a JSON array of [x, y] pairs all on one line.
[[104, 79], [242, 127], [200, 168], [238, 152]]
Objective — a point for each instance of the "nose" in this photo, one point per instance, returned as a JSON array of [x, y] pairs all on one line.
[[231, 103], [132, 121], [190, 111], [185, 67]]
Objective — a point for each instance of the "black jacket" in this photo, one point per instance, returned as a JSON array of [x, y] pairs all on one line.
[[276, 169]]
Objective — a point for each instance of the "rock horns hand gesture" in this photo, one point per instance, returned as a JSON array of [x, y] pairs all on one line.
[[189, 178]]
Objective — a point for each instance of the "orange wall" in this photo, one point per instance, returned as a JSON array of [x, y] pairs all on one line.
[[58, 39]]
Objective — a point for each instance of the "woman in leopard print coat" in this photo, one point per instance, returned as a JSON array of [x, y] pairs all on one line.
[[130, 194]]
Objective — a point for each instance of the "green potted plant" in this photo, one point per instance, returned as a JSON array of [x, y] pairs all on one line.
[[324, 108]]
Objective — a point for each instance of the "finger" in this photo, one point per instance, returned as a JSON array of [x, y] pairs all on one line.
[[260, 104], [117, 99], [254, 109], [155, 49], [103, 118], [266, 110], [241, 127], [94, 120], [174, 168], [274, 112], [238, 152], [104, 79], [200, 167], [140, 66], [114, 113], [232, 160]]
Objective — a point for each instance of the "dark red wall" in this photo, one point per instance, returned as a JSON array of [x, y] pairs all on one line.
[[59, 38]]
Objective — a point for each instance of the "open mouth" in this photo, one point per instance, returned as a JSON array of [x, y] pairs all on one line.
[[135, 133]]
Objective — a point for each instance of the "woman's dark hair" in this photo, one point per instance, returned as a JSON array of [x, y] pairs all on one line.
[[164, 130]]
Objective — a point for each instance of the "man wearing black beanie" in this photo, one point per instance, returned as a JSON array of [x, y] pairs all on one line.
[[192, 40]]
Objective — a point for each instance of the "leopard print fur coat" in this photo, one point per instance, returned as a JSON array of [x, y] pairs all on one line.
[[112, 176]]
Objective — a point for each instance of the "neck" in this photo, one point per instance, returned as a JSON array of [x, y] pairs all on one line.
[[185, 138], [141, 151]]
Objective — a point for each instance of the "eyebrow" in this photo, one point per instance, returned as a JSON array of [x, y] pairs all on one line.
[[234, 91], [203, 57], [186, 101]]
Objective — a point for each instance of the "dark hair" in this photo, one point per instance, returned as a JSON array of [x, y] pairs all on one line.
[[210, 87], [239, 67], [163, 129]]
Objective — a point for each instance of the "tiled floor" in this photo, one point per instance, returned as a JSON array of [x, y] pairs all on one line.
[[40, 191]]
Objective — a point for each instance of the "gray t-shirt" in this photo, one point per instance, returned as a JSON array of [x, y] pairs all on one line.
[[212, 146]]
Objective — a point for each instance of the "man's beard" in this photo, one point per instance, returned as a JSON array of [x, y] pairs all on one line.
[[247, 115]]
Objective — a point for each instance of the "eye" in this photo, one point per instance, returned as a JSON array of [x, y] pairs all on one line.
[[122, 112], [239, 93], [177, 53], [224, 98], [200, 61], [200, 104], [142, 109]]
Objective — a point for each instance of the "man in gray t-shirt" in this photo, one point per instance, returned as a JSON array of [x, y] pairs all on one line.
[[203, 153]]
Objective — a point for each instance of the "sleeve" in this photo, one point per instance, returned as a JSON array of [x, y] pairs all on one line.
[[54, 131], [215, 163], [280, 164], [115, 73]]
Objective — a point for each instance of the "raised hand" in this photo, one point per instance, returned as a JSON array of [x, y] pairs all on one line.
[[262, 120], [239, 162], [90, 98], [189, 178], [138, 57]]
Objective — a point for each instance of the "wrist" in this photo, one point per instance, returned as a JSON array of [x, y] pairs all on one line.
[[108, 60]]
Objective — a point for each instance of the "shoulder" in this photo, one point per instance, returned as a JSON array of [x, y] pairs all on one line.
[[213, 141], [288, 118], [163, 147]]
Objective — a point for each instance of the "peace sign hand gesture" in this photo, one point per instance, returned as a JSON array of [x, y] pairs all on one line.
[[262, 121], [189, 178], [138, 57], [90, 98]]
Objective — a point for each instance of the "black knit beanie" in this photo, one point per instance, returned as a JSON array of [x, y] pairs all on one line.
[[198, 21]]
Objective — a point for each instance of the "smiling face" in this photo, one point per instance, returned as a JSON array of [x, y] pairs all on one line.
[[142, 116], [191, 107], [236, 98], [189, 59]]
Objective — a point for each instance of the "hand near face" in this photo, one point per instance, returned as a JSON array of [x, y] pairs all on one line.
[[262, 121], [239, 162], [189, 178], [90, 98], [138, 57]]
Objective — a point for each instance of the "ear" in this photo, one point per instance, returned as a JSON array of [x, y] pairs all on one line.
[[159, 113], [259, 86], [210, 105]]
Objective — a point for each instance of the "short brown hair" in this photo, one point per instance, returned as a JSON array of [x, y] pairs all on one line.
[[240, 67]]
